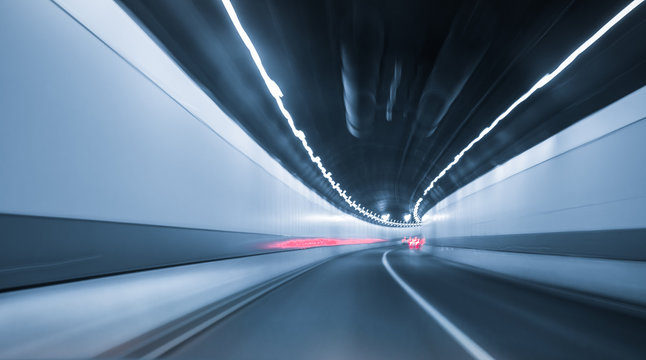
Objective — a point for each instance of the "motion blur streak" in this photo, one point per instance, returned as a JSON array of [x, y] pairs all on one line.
[[469, 345], [542, 82], [318, 242], [275, 91]]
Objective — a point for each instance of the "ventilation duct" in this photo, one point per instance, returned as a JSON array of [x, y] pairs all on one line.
[[362, 45]]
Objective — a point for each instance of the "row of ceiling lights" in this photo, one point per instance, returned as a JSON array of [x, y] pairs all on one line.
[[277, 94], [384, 219], [542, 82]]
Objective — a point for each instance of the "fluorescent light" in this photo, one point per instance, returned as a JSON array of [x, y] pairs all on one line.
[[277, 93], [542, 82]]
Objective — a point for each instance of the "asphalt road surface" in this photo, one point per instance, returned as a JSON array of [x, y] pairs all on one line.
[[409, 305]]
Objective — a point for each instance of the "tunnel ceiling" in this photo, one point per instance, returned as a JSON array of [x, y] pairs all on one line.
[[389, 92]]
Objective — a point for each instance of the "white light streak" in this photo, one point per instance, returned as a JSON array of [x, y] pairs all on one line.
[[542, 82], [277, 94]]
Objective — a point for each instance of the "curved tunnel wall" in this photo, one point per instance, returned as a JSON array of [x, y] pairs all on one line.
[[90, 131], [569, 212]]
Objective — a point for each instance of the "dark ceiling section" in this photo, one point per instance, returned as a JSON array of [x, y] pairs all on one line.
[[388, 92]]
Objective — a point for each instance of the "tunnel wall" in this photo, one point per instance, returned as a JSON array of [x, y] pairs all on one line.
[[112, 159], [569, 212]]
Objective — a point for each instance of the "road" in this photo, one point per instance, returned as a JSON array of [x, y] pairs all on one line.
[[352, 307]]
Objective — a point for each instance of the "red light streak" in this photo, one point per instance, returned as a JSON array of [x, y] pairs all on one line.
[[414, 242], [318, 242]]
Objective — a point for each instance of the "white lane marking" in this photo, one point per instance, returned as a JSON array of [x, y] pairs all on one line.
[[469, 345]]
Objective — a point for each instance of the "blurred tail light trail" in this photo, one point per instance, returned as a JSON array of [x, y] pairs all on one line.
[[318, 242], [414, 242]]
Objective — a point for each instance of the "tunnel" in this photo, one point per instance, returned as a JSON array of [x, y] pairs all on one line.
[[324, 179]]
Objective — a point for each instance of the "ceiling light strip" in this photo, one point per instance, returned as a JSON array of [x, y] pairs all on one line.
[[275, 91], [542, 82]]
